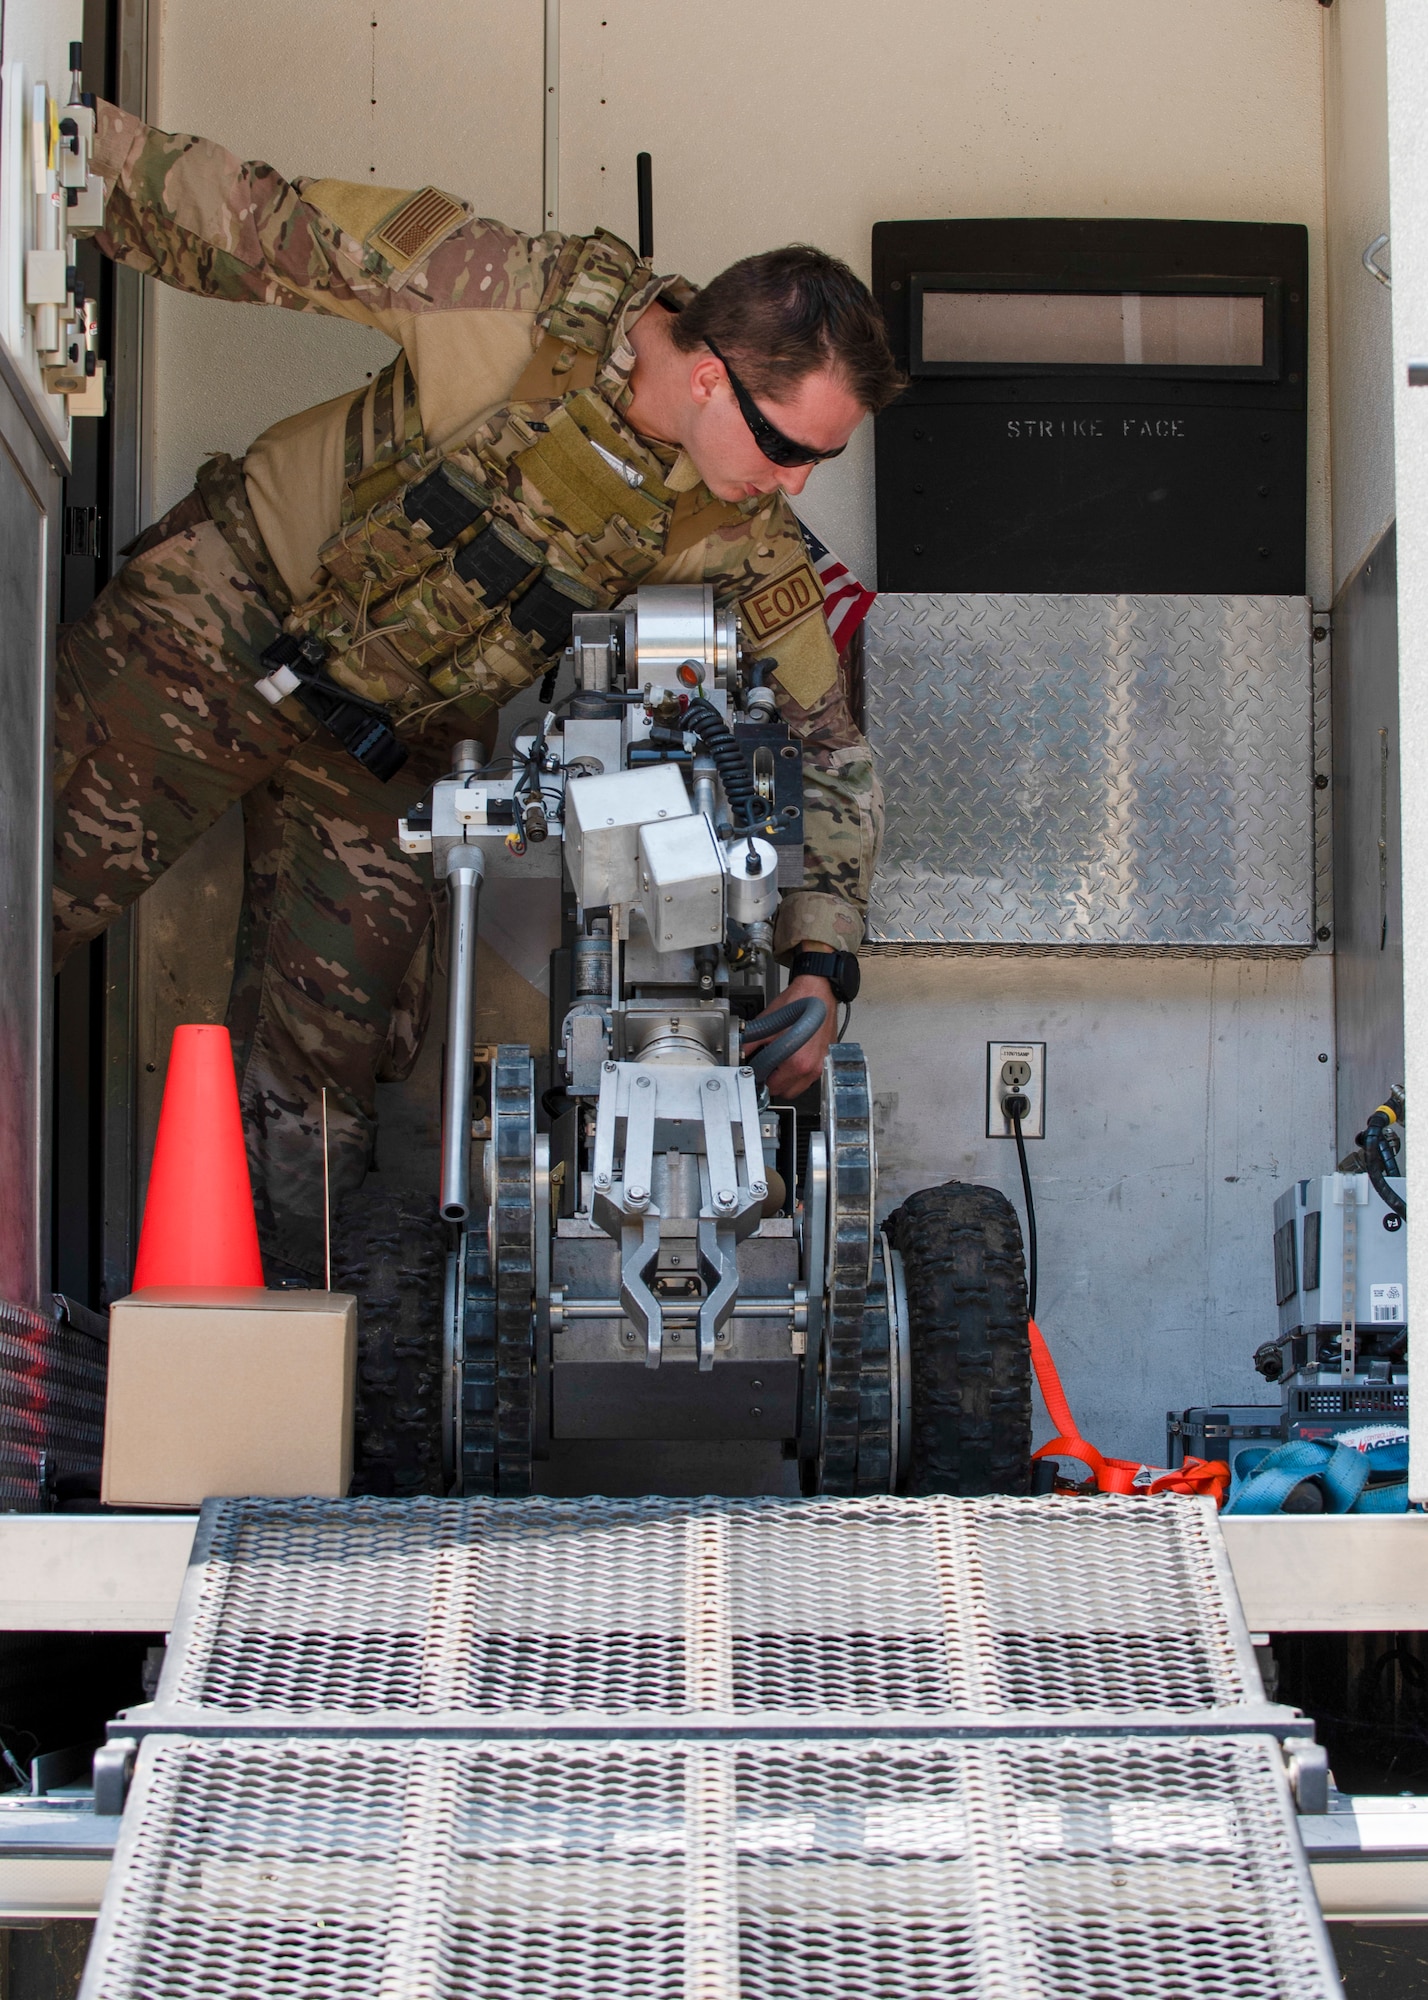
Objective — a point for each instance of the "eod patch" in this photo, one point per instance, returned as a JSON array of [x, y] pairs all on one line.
[[780, 603]]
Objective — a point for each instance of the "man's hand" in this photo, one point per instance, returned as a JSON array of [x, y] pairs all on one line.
[[805, 1065]]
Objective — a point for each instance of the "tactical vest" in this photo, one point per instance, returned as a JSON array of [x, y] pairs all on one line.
[[456, 572]]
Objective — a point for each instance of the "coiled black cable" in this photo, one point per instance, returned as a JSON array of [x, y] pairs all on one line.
[[703, 720], [791, 1025]]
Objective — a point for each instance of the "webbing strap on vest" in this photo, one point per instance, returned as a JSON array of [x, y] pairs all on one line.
[[1113, 1475], [383, 428]]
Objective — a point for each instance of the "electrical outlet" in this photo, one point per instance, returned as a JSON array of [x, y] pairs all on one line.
[[1013, 1067]]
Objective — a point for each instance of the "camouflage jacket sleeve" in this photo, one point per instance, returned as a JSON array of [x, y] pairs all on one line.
[[842, 826], [761, 559], [191, 213]]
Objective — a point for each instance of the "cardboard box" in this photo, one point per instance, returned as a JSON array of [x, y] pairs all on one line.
[[216, 1391]]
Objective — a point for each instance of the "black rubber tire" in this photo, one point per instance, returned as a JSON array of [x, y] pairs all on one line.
[[390, 1249], [971, 1359]]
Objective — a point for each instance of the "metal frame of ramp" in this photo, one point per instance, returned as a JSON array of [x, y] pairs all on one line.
[[708, 1748]]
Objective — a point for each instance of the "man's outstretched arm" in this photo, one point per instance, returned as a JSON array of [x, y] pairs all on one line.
[[191, 213]]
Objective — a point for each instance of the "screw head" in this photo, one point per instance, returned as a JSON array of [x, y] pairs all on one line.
[[725, 1198], [602, 1180], [758, 1187], [756, 1411], [642, 1083], [712, 1084], [1323, 934], [609, 1068]]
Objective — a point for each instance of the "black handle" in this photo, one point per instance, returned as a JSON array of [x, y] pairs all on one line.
[[644, 194]]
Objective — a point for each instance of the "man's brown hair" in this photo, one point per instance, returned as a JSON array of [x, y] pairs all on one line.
[[784, 314]]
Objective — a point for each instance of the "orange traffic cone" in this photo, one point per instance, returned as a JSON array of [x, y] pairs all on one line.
[[198, 1218]]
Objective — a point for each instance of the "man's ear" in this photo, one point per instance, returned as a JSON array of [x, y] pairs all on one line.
[[705, 377]]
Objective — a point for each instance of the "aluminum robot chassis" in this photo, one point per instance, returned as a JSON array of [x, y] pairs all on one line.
[[677, 1257]]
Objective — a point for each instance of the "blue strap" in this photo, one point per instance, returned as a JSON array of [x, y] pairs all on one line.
[[1264, 1479]]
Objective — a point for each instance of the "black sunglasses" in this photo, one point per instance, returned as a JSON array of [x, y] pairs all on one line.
[[776, 448]]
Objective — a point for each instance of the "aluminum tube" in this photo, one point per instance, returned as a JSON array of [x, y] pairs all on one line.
[[677, 1312], [463, 889]]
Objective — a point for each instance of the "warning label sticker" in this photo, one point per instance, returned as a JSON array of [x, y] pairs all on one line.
[[1386, 1304]]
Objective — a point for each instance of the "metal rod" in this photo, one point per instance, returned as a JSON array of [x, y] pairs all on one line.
[[644, 195], [326, 1200], [1260, 1718], [463, 889], [677, 1312]]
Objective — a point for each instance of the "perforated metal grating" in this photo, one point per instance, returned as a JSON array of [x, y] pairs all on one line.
[[392, 1610], [926, 1870]]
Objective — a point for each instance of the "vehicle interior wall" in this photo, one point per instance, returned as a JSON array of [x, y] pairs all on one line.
[[1182, 1093], [33, 446], [1368, 921], [1407, 44]]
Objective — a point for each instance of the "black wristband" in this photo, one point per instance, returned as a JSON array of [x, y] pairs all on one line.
[[839, 968]]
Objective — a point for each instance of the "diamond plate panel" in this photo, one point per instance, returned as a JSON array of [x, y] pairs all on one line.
[[1093, 772]]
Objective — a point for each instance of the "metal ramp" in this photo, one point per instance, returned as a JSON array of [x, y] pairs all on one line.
[[922, 1748]]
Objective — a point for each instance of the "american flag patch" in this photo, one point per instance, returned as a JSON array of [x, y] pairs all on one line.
[[846, 602]]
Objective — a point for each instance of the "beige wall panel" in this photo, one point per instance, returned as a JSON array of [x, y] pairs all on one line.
[[448, 91], [1360, 314], [1408, 171], [775, 120]]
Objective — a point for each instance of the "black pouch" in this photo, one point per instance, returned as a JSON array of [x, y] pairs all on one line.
[[448, 502], [497, 561], [547, 610]]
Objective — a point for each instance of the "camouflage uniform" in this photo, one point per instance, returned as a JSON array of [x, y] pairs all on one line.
[[514, 364]]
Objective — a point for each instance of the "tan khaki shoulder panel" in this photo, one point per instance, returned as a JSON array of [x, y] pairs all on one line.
[[807, 664], [783, 615], [352, 206], [401, 224]]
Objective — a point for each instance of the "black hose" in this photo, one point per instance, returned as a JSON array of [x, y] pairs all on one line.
[[703, 720], [1015, 1117], [791, 1026]]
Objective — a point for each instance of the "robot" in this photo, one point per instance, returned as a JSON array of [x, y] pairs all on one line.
[[676, 1256]]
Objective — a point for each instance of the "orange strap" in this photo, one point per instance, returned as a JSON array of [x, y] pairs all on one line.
[[1112, 1475]]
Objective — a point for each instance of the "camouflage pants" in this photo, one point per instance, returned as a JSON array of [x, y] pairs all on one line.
[[158, 730]]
